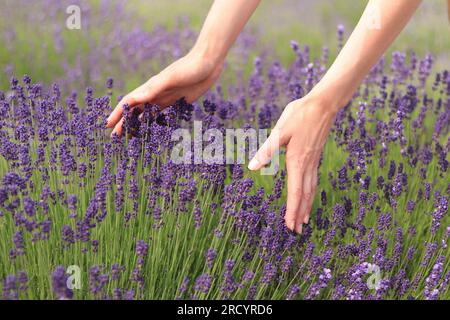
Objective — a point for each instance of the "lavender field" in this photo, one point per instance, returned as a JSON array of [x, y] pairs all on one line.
[[134, 225]]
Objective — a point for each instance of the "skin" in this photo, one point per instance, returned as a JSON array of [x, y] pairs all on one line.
[[304, 125]]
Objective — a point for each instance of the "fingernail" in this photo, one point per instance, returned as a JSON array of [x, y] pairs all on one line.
[[253, 165], [291, 225], [306, 220], [300, 228]]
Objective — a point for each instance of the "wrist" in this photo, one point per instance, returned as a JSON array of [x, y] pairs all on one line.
[[207, 54], [336, 89], [324, 100]]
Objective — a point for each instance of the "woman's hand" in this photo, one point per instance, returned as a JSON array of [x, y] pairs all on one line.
[[189, 77], [304, 124], [303, 128]]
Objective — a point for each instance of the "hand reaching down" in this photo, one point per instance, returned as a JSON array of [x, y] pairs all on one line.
[[189, 77], [303, 129]]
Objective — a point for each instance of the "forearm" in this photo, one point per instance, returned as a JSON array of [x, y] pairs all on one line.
[[373, 34], [223, 24]]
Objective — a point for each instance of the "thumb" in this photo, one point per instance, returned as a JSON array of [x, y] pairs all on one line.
[[267, 150]]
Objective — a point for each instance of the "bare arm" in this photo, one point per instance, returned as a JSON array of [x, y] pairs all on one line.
[[378, 27], [304, 124], [222, 26], [192, 75]]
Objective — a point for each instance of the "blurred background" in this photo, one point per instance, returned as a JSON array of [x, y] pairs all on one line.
[[131, 40]]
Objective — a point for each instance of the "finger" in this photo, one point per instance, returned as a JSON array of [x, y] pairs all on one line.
[[117, 113], [144, 93], [301, 211], [307, 185], [118, 128], [266, 152], [294, 195], [305, 188], [314, 180]]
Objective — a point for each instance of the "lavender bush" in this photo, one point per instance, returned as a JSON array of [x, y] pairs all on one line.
[[139, 226]]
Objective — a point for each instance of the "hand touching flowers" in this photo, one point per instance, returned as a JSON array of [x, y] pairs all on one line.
[[303, 129], [188, 77]]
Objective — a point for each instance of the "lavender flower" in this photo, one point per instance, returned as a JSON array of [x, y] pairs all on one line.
[[292, 292], [431, 291], [10, 290], [59, 283], [203, 283], [210, 256]]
